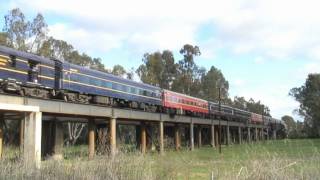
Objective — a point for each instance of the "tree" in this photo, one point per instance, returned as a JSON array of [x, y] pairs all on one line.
[[158, 69], [240, 103], [187, 71], [3, 39], [210, 85], [118, 70], [17, 29], [308, 95], [290, 124], [25, 35]]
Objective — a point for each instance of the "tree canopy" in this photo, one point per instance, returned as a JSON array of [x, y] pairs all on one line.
[[308, 95]]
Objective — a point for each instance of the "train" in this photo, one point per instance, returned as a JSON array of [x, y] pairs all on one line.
[[27, 74]]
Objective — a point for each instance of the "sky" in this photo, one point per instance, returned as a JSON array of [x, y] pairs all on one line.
[[264, 48]]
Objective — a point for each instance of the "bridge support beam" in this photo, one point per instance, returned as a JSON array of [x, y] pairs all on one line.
[[199, 136], [240, 134], [91, 136], [161, 134], [267, 129], [32, 139], [113, 136], [1, 133], [212, 136], [249, 135], [191, 137], [143, 139], [177, 137], [58, 141], [256, 134]]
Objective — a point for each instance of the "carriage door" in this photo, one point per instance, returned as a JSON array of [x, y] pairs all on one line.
[[33, 73], [57, 74]]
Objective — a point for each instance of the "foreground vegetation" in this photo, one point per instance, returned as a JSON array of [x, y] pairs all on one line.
[[282, 159]]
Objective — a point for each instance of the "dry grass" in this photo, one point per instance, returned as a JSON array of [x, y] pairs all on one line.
[[284, 159]]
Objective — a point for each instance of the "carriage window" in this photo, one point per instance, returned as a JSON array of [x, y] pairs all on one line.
[[125, 88], [133, 90], [108, 84], [12, 61]]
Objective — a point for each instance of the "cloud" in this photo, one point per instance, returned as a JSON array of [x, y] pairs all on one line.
[[276, 29], [277, 99]]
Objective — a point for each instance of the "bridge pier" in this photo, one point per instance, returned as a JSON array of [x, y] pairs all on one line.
[[191, 137], [177, 137], [161, 135], [240, 134], [212, 136], [143, 138], [91, 136], [113, 136], [256, 134], [249, 135], [274, 134], [228, 135], [199, 136], [1, 133], [58, 141], [21, 134], [32, 139]]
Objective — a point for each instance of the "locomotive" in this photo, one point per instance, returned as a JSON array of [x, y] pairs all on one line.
[[31, 75]]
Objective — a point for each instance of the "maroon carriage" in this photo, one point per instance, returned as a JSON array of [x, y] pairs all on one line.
[[184, 104]]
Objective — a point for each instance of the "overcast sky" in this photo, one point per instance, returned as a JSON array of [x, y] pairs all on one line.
[[264, 48]]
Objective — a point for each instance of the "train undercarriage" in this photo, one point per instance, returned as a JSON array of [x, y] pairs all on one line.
[[35, 90]]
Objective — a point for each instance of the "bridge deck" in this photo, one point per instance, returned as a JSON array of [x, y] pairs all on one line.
[[89, 110]]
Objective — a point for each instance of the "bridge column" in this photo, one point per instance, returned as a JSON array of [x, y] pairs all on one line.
[[274, 134], [267, 133], [177, 139], [21, 134], [249, 135], [113, 136], [240, 134], [199, 136], [91, 136], [32, 139], [212, 136], [58, 140], [161, 134], [143, 138], [256, 134], [228, 134], [1, 133], [261, 134], [191, 137]]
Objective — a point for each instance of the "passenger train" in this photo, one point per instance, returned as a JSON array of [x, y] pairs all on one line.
[[31, 75]]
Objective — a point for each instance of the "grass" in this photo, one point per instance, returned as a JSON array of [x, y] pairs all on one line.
[[281, 159]]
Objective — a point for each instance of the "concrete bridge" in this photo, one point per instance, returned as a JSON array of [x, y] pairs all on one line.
[[41, 126]]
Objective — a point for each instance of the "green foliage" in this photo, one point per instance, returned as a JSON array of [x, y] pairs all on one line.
[[281, 159], [22, 34], [118, 70], [251, 105], [308, 95], [158, 69], [210, 85], [295, 129], [3, 39]]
